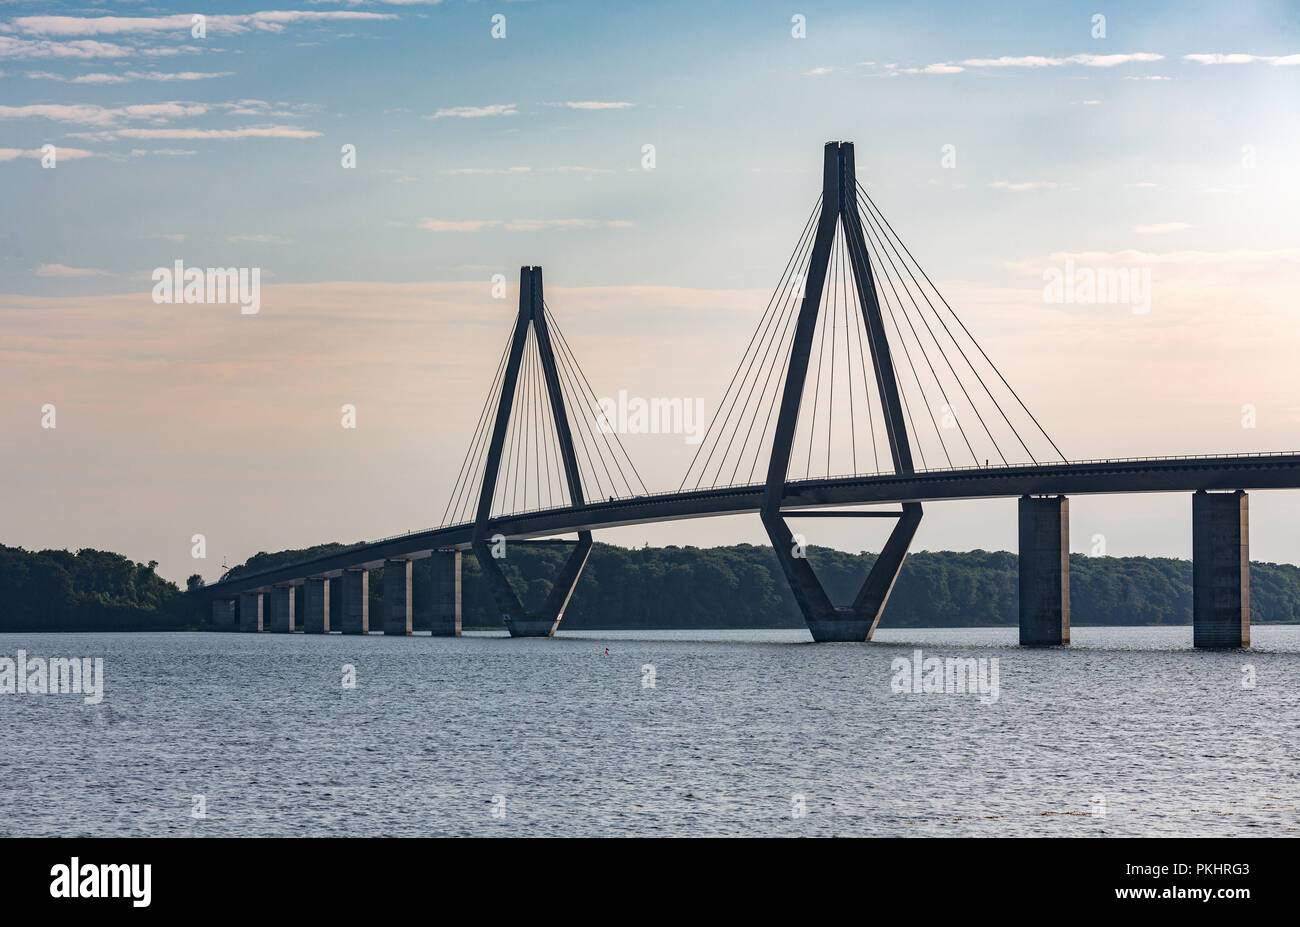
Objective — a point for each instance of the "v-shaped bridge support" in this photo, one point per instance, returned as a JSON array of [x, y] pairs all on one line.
[[826, 621], [519, 621]]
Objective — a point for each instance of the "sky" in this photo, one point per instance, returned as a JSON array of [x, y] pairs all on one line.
[[1002, 141]]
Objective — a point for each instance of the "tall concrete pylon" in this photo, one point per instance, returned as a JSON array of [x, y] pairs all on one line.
[[826, 621], [519, 621]]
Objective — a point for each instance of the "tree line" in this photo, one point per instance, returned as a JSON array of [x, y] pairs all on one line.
[[738, 586]]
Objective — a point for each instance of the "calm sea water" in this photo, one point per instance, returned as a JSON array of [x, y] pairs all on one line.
[[1127, 732]]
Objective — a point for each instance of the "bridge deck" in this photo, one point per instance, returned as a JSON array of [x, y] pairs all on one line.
[[1129, 475]]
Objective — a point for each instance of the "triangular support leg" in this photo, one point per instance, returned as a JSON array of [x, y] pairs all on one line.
[[518, 620], [826, 621]]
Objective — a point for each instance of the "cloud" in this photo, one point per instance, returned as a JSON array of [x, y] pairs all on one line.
[[86, 114], [491, 170], [476, 112], [95, 115], [1024, 185], [818, 72], [942, 67], [129, 76], [1029, 61], [446, 225], [62, 154], [1160, 228], [519, 225], [518, 171], [537, 225], [1220, 58], [1281, 263], [14, 47], [593, 104], [170, 152], [1039, 61], [1008, 61], [266, 21], [63, 270], [218, 134]]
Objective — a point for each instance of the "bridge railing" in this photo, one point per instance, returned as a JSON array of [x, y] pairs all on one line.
[[614, 500], [1052, 465]]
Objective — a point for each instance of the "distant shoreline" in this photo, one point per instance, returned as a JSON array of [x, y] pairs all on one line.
[[736, 587]]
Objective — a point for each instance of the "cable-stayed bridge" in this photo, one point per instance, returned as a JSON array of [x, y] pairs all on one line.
[[860, 385]]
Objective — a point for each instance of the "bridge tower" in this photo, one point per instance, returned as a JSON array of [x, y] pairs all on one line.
[[826, 621], [520, 621]]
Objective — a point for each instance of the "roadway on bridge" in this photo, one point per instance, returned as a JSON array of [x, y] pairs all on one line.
[[1134, 475]]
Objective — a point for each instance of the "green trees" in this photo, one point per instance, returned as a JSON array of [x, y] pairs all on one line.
[[55, 590], [742, 587], [666, 587]]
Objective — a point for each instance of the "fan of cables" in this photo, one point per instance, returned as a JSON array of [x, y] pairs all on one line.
[[959, 410], [531, 475]]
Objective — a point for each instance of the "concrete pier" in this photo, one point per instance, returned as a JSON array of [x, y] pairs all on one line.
[[316, 605], [282, 610], [356, 601], [445, 594], [1220, 570], [223, 614], [1044, 570], [250, 611], [397, 597]]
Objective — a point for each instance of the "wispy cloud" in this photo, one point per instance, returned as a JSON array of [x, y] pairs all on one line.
[[63, 270], [1008, 61], [1220, 58], [1162, 228], [162, 152], [522, 170], [93, 114], [260, 239], [63, 154], [219, 134], [476, 112], [1024, 185], [491, 170], [129, 76], [939, 68], [519, 225], [82, 49], [452, 225], [265, 21], [593, 104], [1040, 61]]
